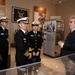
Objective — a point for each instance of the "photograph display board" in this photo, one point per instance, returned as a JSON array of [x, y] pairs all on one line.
[[53, 32], [49, 37]]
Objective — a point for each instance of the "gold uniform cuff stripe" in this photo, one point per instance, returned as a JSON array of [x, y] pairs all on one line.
[[30, 49]]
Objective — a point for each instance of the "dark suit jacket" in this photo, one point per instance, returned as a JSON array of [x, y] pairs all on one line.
[[21, 47], [69, 45]]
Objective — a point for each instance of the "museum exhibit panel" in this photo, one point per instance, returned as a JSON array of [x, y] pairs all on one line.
[[53, 32]]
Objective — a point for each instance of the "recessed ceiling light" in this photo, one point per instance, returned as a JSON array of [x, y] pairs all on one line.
[[59, 1]]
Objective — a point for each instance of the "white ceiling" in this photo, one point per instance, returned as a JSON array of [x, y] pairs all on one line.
[[54, 1], [57, 1]]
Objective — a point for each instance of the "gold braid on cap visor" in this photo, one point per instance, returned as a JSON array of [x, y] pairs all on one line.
[[25, 22], [4, 21]]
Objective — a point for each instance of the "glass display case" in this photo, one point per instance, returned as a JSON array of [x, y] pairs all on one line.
[[64, 65]]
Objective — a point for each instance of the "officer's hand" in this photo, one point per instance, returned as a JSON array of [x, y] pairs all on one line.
[[61, 43], [34, 54], [30, 55], [37, 54]]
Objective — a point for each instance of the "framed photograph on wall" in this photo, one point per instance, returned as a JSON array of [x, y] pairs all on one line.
[[18, 12]]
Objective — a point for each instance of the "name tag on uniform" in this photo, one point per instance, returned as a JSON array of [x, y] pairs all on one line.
[[2, 33], [32, 35]]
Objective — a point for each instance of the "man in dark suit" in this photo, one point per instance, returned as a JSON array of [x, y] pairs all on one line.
[[3, 42], [21, 45], [68, 47], [35, 43]]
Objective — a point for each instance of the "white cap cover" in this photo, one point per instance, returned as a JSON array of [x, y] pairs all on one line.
[[3, 18], [22, 19], [35, 22]]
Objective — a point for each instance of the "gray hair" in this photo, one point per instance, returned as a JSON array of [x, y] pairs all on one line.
[[73, 17]]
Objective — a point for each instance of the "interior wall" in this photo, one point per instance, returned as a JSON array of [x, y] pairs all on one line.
[[66, 11], [28, 4]]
